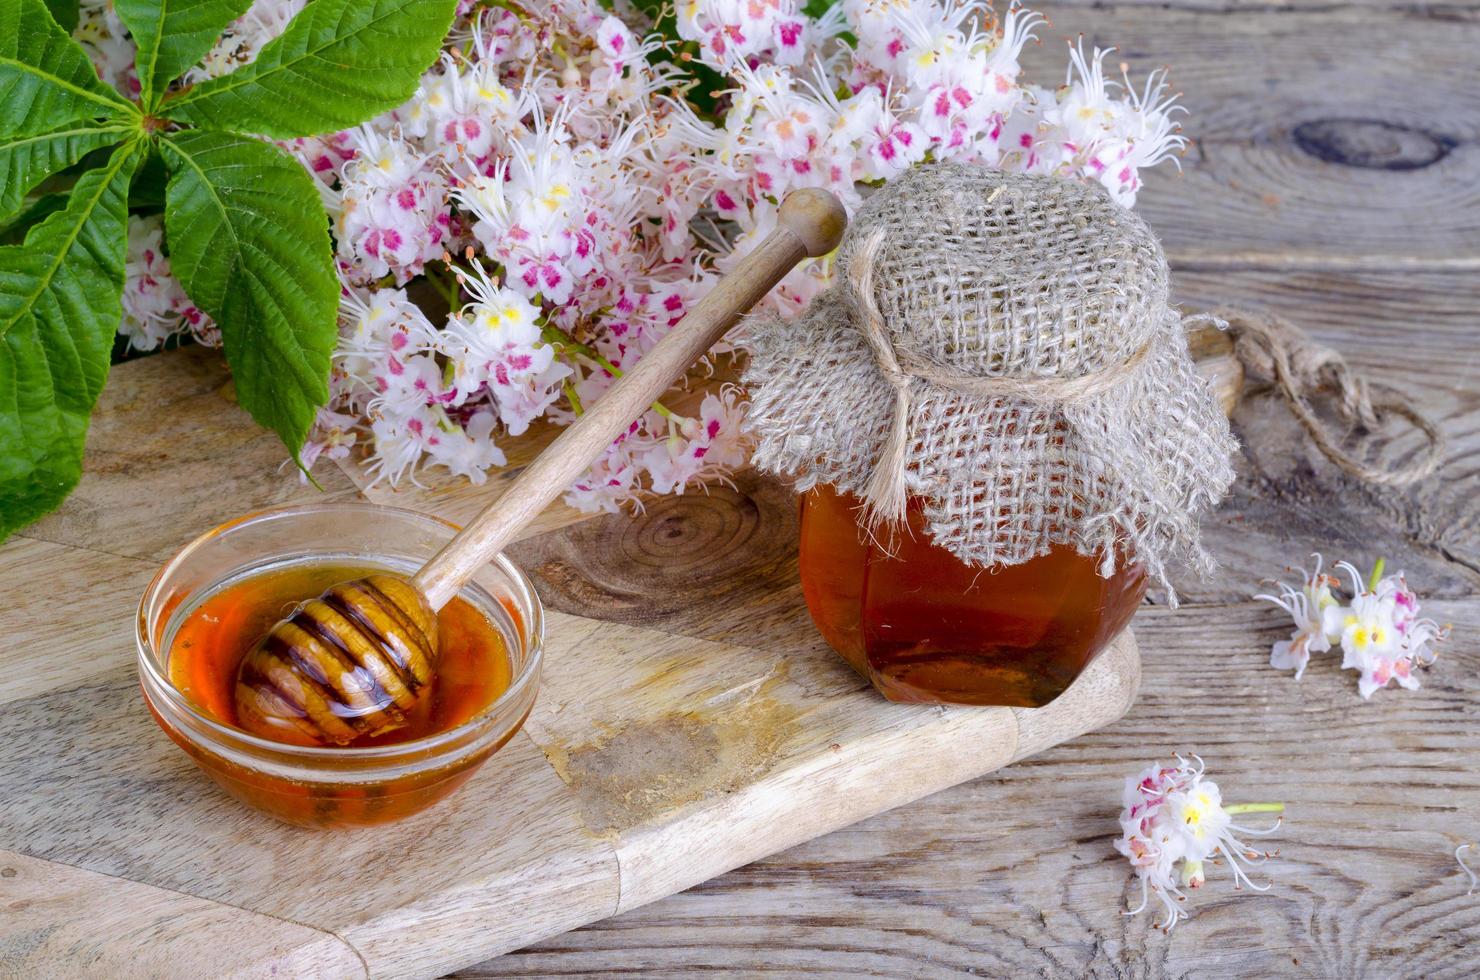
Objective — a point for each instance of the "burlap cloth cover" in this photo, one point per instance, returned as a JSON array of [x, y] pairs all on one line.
[[1022, 331]]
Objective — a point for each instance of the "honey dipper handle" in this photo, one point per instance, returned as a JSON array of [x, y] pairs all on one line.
[[810, 222]]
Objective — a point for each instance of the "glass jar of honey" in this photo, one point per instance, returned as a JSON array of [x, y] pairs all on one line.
[[997, 373], [923, 626], [224, 591]]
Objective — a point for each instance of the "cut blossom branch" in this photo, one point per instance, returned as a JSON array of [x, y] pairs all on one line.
[[599, 192]]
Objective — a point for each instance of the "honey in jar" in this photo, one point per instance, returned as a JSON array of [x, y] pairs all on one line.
[[473, 670], [1000, 345], [923, 626]]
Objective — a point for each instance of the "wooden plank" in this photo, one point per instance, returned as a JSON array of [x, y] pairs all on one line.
[[140, 495], [749, 750], [717, 564], [1316, 144], [655, 758], [1414, 332], [1450, 8], [107, 927], [111, 794], [96, 636], [1015, 873]]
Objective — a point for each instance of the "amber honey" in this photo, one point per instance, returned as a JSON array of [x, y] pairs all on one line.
[[473, 669], [925, 627]]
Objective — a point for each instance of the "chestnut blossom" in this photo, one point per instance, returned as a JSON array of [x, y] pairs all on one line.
[[334, 436], [392, 206], [737, 31], [107, 43], [244, 37], [700, 449], [1173, 825], [592, 192], [466, 450], [155, 306], [1379, 630], [495, 346], [1307, 606]]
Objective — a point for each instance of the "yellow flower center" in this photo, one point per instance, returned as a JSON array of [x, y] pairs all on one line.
[[1195, 812], [556, 194]]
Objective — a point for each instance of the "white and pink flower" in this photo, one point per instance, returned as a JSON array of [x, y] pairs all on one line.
[[577, 163], [155, 305], [1379, 631], [1174, 823]]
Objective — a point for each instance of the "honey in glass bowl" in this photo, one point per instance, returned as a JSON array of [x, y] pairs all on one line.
[[923, 626], [472, 667], [224, 591]]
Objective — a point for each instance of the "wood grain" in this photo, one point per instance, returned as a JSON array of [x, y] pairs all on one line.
[[718, 564], [1015, 874], [690, 741], [937, 889], [1331, 136], [1458, 8], [106, 792], [36, 658], [1413, 332], [57, 914], [1332, 179], [655, 758], [1012, 873]]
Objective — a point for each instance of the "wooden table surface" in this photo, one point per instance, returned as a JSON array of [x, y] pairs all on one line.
[[1335, 178]]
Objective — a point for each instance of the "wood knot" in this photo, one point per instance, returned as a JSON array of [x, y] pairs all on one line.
[[681, 532], [704, 548], [1371, 144]]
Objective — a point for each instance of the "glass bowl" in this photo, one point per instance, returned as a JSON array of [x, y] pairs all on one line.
[[316, 786]]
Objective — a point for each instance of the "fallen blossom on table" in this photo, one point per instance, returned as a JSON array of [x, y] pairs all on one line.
[[1175, 824], [1378, 630]]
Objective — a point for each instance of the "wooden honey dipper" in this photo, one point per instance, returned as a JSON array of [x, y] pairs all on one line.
[[353, 661]]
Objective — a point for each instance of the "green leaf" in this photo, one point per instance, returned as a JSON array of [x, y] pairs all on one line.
[[13, 230], [339, 63], [249, 240], [64, 12], [45, 77], [173, 35], [59, 309], [146, 196], [27, 161]]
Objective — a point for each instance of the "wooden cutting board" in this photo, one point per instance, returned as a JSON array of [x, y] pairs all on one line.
[[690, 721]]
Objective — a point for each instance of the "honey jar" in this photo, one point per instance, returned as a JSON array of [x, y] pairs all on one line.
[[225, 589], [997, 430], [922, 625]]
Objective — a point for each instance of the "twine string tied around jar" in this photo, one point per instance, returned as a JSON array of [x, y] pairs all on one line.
[[886, 492]]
